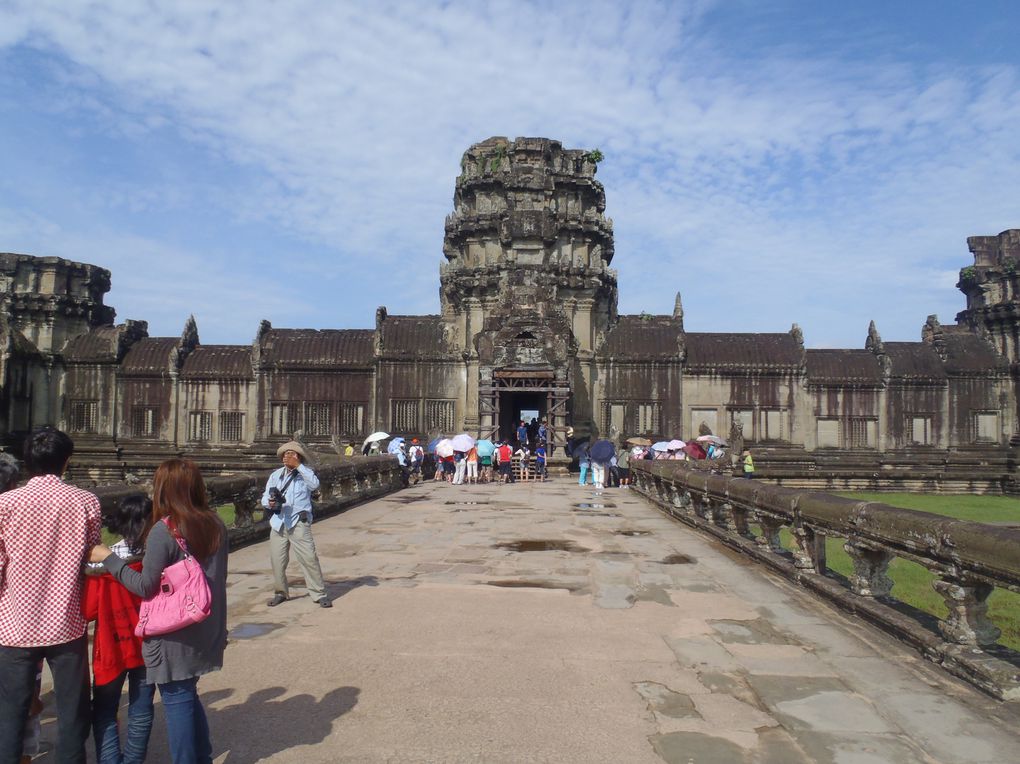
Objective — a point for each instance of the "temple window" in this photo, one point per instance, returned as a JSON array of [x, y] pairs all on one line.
[[613, 415], [143, 421], [919, 432], [439, 416], [231, 426], [771, 424], [285, 418], [404, 416], [352, 419], [318, 418], [648, 417], [745, 417], [861, 432], [200, 426], [84, 416]]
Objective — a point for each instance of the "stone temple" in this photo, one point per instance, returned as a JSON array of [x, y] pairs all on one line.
[[528, 326]]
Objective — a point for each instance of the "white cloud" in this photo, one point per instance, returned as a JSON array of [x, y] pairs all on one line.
[[771, 183]]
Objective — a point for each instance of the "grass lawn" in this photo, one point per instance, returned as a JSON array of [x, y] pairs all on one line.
[[225, 511], [912, 582]]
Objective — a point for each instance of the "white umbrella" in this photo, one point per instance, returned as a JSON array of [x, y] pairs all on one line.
[[375, 437], [662, 445], [711, 439], [444, 448], [463, 442]]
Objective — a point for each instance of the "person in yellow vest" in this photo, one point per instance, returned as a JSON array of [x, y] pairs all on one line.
[[349, 451], [748, 465]]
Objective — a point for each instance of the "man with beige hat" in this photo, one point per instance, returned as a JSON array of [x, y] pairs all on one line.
[[288, 497]]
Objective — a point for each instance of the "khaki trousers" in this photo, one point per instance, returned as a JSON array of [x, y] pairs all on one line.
[[300, 539]]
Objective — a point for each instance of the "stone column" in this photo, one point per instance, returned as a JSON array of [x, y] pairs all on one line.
[[967, 622], [871, 565], [769, 537]]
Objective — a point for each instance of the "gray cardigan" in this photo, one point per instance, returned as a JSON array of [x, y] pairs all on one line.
[[196, 649]]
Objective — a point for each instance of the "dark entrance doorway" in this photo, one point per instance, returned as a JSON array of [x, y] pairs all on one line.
[[510, 395], [515, 406]]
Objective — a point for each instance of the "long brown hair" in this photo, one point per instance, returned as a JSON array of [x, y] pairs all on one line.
[[178, 492]]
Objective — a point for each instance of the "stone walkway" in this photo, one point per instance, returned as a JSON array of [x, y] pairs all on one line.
[[545, 623]]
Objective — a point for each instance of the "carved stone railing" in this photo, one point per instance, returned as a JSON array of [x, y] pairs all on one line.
[[341, 486], [968, 559]]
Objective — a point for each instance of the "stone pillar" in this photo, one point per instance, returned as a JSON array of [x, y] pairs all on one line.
[[810, 551], [967, 622], [870, 577], [769, 537]]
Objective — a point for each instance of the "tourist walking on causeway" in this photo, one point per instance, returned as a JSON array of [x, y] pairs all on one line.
[[748, 465], [47, 528], [182, 524], [288, 496]]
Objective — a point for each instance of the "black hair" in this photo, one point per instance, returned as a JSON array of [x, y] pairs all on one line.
[[9, 472], [46, 451], [131, 519]]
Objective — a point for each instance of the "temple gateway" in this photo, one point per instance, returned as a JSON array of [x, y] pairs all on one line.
[[528, 327]]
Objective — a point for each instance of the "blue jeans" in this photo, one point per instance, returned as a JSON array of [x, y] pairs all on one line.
[[106, 701], [186, 726], [584, 474]]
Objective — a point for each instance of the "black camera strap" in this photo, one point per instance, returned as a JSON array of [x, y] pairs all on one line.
[[285, 486]]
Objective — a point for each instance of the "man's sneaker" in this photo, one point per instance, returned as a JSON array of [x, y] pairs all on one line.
[[324, 602], [277, 599]]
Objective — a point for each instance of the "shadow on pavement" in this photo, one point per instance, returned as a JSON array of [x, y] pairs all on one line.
[[262, 726], [338, 589]]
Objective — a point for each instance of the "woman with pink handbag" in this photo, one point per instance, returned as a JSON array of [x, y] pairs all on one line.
[[183, 528]]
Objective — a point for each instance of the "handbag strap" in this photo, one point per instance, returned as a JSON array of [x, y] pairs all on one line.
[[177, 536]]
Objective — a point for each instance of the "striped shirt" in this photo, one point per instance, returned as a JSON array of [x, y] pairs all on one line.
[[47, 528]]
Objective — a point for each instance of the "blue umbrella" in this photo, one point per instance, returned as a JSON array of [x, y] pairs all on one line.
[[602, 451], [485, 447], [662, 445], [432, 445], [394, 446]]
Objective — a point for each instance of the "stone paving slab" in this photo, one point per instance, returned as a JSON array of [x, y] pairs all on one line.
[[548, 623]]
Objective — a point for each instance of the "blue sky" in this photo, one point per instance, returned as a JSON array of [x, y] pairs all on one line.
[[811, 162]]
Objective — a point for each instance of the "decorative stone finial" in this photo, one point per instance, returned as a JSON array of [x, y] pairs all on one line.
[[874, 341], [798, 335], [678, 308]]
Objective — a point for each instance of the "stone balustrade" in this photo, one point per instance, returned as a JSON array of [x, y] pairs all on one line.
[[968, 559], [352, 481]]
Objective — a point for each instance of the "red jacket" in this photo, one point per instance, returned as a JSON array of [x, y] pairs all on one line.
[[115, 648]]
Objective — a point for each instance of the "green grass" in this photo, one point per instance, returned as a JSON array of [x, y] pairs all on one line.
[[980, 509], [912, 582], [225, 511]]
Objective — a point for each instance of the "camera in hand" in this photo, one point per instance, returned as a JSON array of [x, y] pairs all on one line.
[[276, 499]]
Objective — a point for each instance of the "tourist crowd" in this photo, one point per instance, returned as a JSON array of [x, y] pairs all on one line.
[[157, 598]]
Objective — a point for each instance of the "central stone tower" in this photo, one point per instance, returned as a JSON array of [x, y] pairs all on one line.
[[527, 284]]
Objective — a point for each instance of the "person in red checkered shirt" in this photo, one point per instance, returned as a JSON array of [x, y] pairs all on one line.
[[47, 529]]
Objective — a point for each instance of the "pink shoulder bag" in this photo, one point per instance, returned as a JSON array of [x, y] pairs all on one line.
[[183, 597]]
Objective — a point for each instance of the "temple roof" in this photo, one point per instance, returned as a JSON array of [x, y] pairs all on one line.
[[968, 352], [644, 337], [836, 367], [415, 337], [728, 351], [96, 346], [914, 360], [150, 355], [219, 362], [317, 348]]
